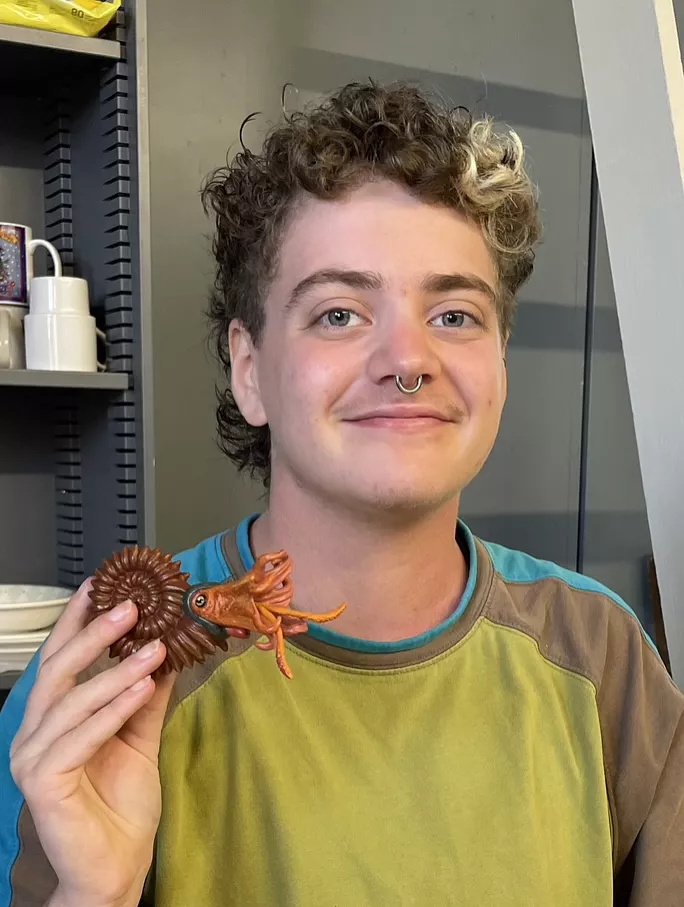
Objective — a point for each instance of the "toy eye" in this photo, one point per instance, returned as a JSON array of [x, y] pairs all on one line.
[[200, 600]]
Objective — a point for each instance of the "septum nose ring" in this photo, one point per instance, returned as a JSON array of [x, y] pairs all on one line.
[[409, 390]]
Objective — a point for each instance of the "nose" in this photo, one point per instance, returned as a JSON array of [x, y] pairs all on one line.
[[404, 348]]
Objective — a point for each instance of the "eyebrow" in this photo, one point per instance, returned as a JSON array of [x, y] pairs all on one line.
[[447, 283], [371, 280], [356, 280]]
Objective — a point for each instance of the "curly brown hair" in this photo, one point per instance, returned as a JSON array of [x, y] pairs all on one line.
[[363, 131]]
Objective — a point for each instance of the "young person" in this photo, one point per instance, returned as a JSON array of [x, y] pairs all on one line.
[[478, 727]]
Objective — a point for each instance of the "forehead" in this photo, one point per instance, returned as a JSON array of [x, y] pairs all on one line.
[[383, 228]]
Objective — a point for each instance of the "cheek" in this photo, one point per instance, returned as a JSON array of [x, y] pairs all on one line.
[[311, 378], [480, 378], [497, 394]]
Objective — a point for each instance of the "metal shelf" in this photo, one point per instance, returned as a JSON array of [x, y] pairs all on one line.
[[105, 381], [75, 44], [71, 448]]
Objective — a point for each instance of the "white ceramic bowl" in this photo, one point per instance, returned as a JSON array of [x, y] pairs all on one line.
[[26, 608], [15, 661], [32, 640]]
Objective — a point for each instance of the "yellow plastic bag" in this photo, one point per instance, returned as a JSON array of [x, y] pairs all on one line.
[[85, 17]]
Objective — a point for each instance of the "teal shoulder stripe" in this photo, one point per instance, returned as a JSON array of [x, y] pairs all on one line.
[[242, 541], [10, 796], [205, 562], [517, 567]]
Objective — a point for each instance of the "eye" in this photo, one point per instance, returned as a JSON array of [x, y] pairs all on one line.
[[200, 600], [338, 318], [452, 319]]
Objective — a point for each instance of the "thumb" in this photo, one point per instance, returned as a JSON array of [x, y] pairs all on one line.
[[143, 730]]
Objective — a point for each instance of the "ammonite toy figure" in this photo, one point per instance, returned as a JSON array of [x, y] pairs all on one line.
[[192, 620]]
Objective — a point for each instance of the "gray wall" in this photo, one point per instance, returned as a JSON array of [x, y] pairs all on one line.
[[517, 61], [206, 72], [617, 538]]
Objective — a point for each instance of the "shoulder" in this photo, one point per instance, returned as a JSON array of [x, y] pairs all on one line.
[[219, 557], [582, 626], [577, 622], [205, 561]]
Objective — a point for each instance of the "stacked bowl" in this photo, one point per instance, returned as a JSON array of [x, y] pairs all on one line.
[[27, 614]]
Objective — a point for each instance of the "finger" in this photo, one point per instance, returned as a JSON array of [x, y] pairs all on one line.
[[82, 743], [85, 700], [71, 620], [59, 673], [143, 730]]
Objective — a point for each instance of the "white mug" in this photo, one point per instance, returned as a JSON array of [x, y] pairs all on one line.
[[12, 336], [16, 262], [59, 296], [62, 343]]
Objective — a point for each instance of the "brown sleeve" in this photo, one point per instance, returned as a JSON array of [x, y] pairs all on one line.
[[642, 723], [652, 874], [655, 866]]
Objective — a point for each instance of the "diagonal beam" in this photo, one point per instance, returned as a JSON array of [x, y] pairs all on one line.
[[634, 85]]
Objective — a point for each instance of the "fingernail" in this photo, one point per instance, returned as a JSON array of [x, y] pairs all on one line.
[[148, 651], [140, 684], [121, 612]]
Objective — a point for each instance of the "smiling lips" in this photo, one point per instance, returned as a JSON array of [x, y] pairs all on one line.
[[402, 417]]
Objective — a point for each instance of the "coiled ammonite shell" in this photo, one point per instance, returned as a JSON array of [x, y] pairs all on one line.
[[154, 582]]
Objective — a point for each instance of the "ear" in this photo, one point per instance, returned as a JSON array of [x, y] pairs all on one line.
[[504, 366], [244, 374]]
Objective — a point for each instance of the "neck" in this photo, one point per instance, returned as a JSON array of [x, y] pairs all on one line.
[[399, 577]]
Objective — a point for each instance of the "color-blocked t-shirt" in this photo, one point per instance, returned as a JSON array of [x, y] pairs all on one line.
[[528, 751]]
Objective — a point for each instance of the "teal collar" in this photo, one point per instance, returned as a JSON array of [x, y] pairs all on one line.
[[467, 544]]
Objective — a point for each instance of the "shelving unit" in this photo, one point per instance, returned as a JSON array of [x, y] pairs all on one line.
[[113, 381], [71, 444], [34, 38]]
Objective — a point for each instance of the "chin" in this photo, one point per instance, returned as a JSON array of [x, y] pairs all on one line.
[[373, 487], [399, 496]]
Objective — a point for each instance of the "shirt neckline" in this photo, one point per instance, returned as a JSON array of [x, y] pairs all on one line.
[[327, 638]]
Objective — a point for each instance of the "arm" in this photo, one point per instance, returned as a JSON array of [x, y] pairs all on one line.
[[26, 877], [653, 872], [642, 725]]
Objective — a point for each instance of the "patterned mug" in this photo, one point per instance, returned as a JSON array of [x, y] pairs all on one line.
[[16, 262]]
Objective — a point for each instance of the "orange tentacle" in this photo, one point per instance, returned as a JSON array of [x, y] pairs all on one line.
[[278, 598], [264, 621], [307, 615], [270, 621], [272, 578], [264, 580], [280, 654]]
